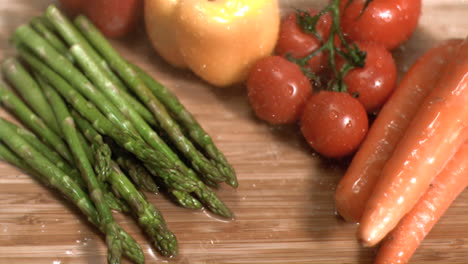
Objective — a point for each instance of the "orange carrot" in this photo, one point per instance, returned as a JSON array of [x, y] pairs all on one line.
[[402, 242], [356, 185], [431, 139]]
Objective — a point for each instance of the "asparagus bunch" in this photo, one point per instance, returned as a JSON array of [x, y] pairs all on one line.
[[92, 62], [19, 152], [90, 114]]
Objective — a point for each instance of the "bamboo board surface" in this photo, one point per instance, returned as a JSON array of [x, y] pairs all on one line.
[[284, 204]]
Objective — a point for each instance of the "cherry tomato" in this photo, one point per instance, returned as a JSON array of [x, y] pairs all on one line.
[[334, 123], [277, 90], [389, 22], [299, 44], [373, 83]]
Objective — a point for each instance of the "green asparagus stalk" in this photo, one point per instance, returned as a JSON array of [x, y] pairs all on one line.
[[41, 48], [39, 24], [16, 106], [181, 197], [112, 229], [102, 163], [9, 156], [195, 130], [130, 76], [56, 177], [136, 171], [149, 218], [72, 36], [103, 159], [47, 152], [63, 183], [29, 90], [171, 175], [206, 195], [147, 215], [86, 147]]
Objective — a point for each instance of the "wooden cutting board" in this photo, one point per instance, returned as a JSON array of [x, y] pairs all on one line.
[[284, 204]]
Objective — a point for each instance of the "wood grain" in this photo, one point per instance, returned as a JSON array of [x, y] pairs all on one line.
[[284, 207]]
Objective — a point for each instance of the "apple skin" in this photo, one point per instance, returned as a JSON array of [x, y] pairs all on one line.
[[160, 27], [218, 40]]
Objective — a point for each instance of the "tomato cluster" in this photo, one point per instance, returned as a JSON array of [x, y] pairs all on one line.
[[316, 78]]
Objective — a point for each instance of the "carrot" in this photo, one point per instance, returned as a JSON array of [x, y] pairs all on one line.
[[355, 187], [429, 142], [402, 242]]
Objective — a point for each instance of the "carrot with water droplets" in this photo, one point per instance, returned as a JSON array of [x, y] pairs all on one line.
[[402, 242], [359, 180], [431, 139]]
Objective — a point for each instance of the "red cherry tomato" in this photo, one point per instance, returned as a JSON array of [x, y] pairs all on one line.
[[277, 90], [299, 44], [389, 22], [334, 123], [375, 81]]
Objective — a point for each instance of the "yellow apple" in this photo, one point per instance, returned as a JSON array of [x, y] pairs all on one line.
[[219, 40]]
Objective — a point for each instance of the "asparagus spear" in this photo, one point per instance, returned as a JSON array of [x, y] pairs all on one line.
[[35, 123], [112, 229], [27, 87], [129, 75], [149, 218], [136, 171], [29, 38], [182, 198], [99, 156], [62, 182], [185, 119], [170, 174], [39, 24], [55, 176], [10, 157], [51, 155], [103, 160], [147, 215], [72, 36]]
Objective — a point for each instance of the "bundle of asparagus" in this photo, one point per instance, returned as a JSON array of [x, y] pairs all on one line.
[[93, 124]]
